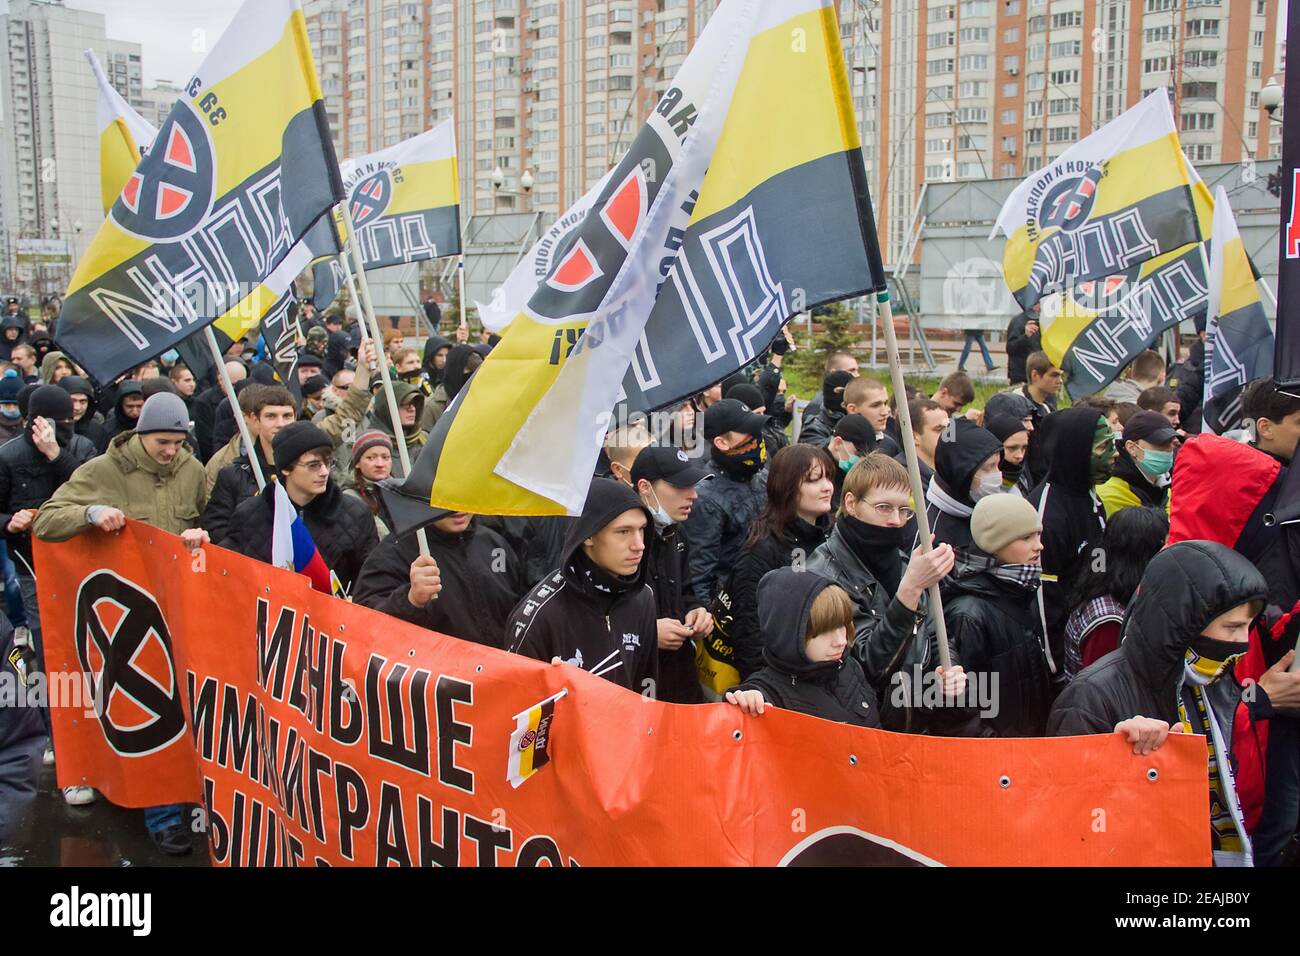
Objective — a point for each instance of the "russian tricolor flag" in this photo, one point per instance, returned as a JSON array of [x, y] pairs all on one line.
[[292, 545]]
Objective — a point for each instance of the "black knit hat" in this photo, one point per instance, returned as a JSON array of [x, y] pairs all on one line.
[[296, 439], [50, 401]]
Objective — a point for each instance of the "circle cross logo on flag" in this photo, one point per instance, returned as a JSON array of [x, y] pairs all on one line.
[[171, 191], [1069, 203], [370, 197], [125, 649]]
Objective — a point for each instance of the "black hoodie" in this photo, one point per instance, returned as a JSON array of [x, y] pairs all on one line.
[[833, 690], [1184, 588], [574, 615], [91, 424], [478, 589], [16, 321], [431, 346], [117, 421], [948, 503], [454, 375], [1072, 515]]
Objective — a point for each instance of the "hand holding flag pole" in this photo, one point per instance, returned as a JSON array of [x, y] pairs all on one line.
[[913, 469], [370, 327]]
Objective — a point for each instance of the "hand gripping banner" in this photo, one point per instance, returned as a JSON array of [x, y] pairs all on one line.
[[315, 731]]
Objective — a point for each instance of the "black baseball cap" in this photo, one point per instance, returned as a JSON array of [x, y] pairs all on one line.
[[1150, 426], [856, 429], [667, 464], [730, 415]]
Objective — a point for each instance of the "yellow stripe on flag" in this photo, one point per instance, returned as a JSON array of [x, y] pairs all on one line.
[[119, 155], [283, 68], [1239, 287], [431, 185], [780, 115], [505, 388]]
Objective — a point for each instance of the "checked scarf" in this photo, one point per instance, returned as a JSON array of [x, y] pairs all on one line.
[[1231, 845]]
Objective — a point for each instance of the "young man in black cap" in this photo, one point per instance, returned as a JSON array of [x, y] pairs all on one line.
[[853, 439], [821, 427], [727, 503], [666, 479], [340, 525], [774, 436], [1140, 476], [313, 397], [596, 611]]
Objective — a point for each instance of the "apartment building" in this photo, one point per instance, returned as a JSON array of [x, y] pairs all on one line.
[[49, 143], [944, 89]]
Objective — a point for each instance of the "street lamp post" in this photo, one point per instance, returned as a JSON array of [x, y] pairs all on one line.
[[1270, 97]]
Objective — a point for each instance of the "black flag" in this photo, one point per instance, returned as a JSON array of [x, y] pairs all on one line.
[[1286, 347]]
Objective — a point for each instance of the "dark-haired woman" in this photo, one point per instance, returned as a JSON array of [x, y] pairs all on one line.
[[1133, 536], [793, 523]]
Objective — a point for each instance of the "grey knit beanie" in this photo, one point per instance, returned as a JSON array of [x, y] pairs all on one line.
[[164, 412]]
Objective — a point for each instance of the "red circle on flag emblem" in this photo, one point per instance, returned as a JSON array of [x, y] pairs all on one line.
[[172, 190]]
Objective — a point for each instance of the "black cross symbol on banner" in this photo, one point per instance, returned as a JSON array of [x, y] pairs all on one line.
[[141, 618]]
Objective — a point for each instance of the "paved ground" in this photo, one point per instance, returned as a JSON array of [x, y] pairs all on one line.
[[100, 834]]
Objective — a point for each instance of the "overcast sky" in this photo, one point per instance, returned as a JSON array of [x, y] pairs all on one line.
[[165, 29]]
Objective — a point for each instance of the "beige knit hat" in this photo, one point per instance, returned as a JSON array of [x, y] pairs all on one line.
[[1000, 519]]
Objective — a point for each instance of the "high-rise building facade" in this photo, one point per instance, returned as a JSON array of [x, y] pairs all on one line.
[[997, 88], [49, 142], [555, 88], [944, 89]]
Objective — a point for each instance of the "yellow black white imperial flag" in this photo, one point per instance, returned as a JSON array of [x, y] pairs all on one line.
[[1112, 201], [741, 201], [405, 204], [239, 172]]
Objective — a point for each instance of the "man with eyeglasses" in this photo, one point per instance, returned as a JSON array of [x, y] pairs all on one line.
[[864, 555], [341, 525]]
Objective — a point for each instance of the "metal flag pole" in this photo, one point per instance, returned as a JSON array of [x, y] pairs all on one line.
[[886, 314], [229, 387], [368, 313]]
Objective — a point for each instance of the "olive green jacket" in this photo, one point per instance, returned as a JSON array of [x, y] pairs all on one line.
[[170, 497]]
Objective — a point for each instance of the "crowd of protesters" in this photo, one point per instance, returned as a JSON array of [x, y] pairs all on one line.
[[1094, 572]]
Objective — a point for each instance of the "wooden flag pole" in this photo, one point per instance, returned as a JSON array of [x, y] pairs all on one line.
[[231, 397], [886, 314], [368, 314]]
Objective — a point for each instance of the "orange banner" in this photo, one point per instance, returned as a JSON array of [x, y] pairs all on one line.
[[314, 731]]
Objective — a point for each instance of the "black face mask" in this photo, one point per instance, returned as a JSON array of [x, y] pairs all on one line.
[[877, 548], [63, 432], [1009, 471], [743, 462], [412, 376], [1213, 649]]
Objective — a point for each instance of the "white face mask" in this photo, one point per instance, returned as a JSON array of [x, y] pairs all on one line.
[[986, 485], [660, 516]]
